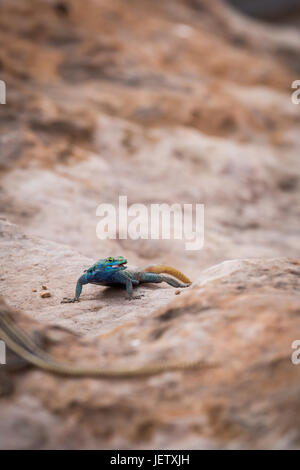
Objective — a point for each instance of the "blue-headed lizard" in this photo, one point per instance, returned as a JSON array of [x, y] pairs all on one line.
[[113, 271]]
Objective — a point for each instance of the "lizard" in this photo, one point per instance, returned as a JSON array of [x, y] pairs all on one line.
[[112, 271], [29, 351]]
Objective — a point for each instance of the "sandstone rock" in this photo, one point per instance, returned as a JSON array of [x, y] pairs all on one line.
[[181, 101], [242, 322]]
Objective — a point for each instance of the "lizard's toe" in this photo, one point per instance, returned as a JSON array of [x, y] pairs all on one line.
[[135, 297], [66, 300]]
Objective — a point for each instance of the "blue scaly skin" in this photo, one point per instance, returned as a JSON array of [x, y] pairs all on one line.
[[113, 271]]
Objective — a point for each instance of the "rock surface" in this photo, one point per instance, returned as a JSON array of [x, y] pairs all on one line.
[[181, 101], [29, 262], [240, 319]]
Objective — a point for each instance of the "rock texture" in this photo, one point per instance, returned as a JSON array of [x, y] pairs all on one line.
[[28, 263], [240, 318], [273, 10], [180, 101]]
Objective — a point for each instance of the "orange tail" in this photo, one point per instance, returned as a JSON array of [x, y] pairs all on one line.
[[162, 268]]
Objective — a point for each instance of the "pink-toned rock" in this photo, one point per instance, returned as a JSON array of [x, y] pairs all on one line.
[[145, 109], [241, 323]]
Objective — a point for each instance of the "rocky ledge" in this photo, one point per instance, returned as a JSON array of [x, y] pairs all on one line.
[[239, 317]]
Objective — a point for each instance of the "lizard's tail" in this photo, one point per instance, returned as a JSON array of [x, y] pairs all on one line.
[[163, 268]]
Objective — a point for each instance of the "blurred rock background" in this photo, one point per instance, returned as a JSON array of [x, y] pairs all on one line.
[[271, 10], [170, 101]]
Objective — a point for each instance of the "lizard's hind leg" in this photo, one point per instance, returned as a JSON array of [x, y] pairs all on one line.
[[157, 278], [173, 282]]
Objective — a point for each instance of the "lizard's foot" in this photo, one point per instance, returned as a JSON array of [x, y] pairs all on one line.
[[67, 300], [135, 297]]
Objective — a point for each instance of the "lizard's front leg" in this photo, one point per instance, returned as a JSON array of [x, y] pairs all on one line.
[[129, 290], [129, 283], [82, 280]]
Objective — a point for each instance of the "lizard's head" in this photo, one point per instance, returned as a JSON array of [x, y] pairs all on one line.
[[111, 263], [115, 263]]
